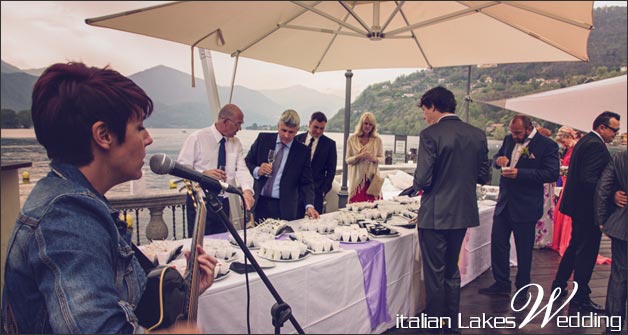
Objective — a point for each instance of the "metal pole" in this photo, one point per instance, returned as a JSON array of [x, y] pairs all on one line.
[[467, 99], [343, 194], [210, 83]]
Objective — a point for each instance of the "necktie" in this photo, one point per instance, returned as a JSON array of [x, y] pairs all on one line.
[[310, 146], [222, 155], [268, 187]]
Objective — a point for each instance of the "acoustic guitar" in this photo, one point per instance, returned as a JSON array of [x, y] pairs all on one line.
[[168, 297]]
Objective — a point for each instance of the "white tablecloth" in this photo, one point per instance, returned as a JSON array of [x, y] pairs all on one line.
[[326, 292]]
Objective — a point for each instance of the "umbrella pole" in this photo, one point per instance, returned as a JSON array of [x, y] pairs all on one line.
[[467, 99], [343, 194]]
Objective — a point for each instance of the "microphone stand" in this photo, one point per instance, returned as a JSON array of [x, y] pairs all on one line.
[[281, 311]]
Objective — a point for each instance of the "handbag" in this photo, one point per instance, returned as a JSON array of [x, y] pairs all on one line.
[[377, 182]]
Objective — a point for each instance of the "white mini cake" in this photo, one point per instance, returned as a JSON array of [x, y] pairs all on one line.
[[271, 226], [278, 250], [221, 269], [353, 234], [322, 226], [221, 249], [254, 238], [316, 242]]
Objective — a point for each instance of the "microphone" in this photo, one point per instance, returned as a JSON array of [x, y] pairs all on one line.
[[162, 164]]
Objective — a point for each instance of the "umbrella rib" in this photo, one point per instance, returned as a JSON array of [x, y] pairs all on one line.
[[329, 17], [446, 17], [538, 37], [416, 40], [320, 30], [356, 16], [329, 46], [392, 15], [550, 15], [268, 33]]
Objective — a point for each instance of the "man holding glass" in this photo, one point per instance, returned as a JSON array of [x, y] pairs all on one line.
[[216, 152], [282, 172]]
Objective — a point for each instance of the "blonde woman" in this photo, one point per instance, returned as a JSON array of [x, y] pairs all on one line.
[[365, 152]]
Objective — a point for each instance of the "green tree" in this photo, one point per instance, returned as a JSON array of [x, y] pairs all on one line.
[[25, 119], [9, 119], [499, 133]]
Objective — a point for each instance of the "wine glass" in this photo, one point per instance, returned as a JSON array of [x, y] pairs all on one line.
[[483, 192], [271, 157]]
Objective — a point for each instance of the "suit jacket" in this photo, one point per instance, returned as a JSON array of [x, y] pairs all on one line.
[[523, 196], [452, 158], [296, 180], [588, 160], [323, 162], [606, 212]]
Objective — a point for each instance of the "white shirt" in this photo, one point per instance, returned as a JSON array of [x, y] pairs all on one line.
[[516, 151], [314, 144], [200, 151]]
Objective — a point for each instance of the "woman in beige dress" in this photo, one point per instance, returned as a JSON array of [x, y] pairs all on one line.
[[365, 152]]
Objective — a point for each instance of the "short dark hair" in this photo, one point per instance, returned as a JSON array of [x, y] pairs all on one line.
[[69, 98], [318, 116], [604, 118], [439, 97], [525, 120]]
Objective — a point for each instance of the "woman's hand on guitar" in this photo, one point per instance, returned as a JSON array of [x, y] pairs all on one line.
[[206, 265]]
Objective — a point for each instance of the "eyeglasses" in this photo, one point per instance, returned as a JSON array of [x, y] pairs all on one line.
[[239, 124], [615, 130]]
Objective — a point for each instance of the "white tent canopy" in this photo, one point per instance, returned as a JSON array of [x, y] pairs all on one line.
[[575, 106]]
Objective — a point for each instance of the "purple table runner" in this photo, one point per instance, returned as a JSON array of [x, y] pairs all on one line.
[[371, 256]]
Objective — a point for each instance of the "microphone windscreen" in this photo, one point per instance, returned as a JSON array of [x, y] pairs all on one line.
[[161, 164]]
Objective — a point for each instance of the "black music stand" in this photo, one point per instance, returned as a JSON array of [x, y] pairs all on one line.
[[280, 311]]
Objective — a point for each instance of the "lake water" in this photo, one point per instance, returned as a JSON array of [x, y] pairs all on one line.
[[21, 145]]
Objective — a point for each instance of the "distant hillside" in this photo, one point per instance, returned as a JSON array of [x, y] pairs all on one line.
[[17, 88], [178, 104], [306, 101]]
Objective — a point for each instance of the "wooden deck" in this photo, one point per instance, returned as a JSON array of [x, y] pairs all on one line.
[[545, 264]]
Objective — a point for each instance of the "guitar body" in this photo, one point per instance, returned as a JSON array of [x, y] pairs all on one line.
[[164, 299], [168, 296]]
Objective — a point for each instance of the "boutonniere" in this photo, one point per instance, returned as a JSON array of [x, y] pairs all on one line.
[[525, 153]]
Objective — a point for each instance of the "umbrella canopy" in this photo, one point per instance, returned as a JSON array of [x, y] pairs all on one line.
[[575, 106], [338, 35]]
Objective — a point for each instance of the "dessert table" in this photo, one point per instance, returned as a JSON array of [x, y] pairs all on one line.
[[360, 289]]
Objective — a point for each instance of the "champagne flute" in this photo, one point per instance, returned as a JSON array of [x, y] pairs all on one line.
[[271, 157], [224, 169]]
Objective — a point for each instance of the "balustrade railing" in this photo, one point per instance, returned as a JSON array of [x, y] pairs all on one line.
[[156, 203]]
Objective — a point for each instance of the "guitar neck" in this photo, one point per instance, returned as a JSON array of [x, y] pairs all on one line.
[[193, 273]]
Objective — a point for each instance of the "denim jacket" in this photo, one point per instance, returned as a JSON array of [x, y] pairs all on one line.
[[70, 267]]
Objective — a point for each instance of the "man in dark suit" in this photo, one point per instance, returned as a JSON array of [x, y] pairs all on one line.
[[323, 157], [528, 160], [610, 213], [279, 186], [588, 160], [452, 158]]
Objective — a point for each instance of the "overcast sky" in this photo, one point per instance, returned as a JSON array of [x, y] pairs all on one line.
[[37, 34]]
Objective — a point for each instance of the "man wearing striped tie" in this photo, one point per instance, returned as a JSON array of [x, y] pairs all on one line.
[[216, 152]]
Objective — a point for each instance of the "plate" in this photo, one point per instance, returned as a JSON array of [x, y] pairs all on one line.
[[368, 240], [301, 257], [323, 252], [222, 276], [395, 234], [236, 245]]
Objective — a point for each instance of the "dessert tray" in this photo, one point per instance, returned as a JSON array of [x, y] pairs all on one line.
[[222, 276], [283, 251], [301, 257]]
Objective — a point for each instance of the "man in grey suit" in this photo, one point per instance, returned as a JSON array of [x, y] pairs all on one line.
[[610, 213], [452, 158]]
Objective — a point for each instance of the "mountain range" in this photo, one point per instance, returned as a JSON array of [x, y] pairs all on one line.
[[179, 105]]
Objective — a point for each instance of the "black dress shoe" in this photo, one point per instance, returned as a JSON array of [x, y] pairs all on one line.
[[587, 305], [495, 289]]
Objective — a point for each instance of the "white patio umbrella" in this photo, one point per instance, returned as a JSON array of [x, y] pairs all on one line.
[[338, 35], [320, 36]]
